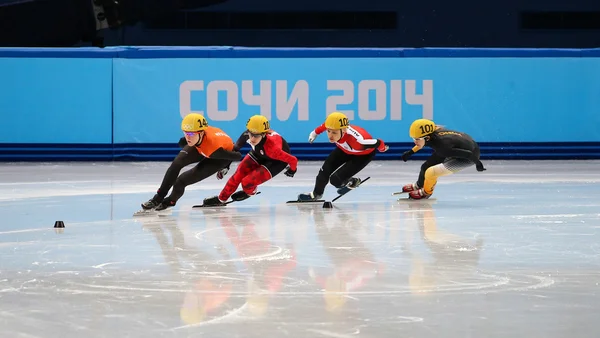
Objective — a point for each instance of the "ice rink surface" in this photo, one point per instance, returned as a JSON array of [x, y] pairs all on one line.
[[510, 252]]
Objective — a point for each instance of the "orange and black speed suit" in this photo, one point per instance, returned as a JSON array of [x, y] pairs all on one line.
[[213, 153]]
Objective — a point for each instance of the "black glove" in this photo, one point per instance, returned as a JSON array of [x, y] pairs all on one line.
[[182, 142], [289, 172], [407, 154], [479, 166]]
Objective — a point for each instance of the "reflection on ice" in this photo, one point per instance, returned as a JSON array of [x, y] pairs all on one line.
[[493, 255]]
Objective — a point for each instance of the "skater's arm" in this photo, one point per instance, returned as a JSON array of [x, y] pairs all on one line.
[[243, 139], [407, 154], [222, 154], [320, 129], [372, 143], [367, 143], [273, 150], [182, 142]]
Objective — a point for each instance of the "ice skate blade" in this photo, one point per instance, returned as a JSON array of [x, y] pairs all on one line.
[[144, 212], [399, 193], [304, 202], [224, 204], [349, 190], [411, 200], [153, 212], [210, 206]]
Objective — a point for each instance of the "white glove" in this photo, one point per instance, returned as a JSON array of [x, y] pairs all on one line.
[[312, 136], [221, 173]]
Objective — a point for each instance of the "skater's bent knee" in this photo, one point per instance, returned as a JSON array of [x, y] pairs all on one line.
[[248, 186], [436, 171], [336, 181], [176, 165], [180, 183], [429, 173]]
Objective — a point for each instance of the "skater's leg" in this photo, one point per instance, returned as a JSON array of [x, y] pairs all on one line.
[[245, 167], [450, 166], [201, 171], [186, 156], [353, 166], [336, 159], [259, 176], [434, 159]]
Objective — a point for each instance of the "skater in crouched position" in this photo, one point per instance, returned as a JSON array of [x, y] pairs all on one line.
[[355, 150], [269, 156], [208, 146], [453, 151]]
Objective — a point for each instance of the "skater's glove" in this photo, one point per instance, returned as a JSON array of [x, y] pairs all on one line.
[[289, 172], [221, 173], [407, 154], [312, 136], [479, 166], [182, 142]]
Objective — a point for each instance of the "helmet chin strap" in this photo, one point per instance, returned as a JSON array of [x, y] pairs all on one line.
[[200, 138]]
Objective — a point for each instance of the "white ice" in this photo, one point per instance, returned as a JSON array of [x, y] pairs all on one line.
[[510, 252]]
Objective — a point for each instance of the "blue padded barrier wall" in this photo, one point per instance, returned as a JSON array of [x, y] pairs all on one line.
[[126, 103]]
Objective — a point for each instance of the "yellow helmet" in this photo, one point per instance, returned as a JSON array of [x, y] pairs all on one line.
[[420, 128], [336, 121], [193, 123], [258, 124]]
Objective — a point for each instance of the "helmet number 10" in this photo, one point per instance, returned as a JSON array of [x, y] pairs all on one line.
[[343, 122]]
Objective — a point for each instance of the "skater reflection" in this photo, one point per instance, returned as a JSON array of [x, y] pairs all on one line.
[[354, 265], [453, 258], [207, 294], [268, 263]]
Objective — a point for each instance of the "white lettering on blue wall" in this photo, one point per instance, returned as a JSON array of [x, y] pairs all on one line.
[[380, 89], [284, 102], [367, 100], [213, 111], [345, 98]]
